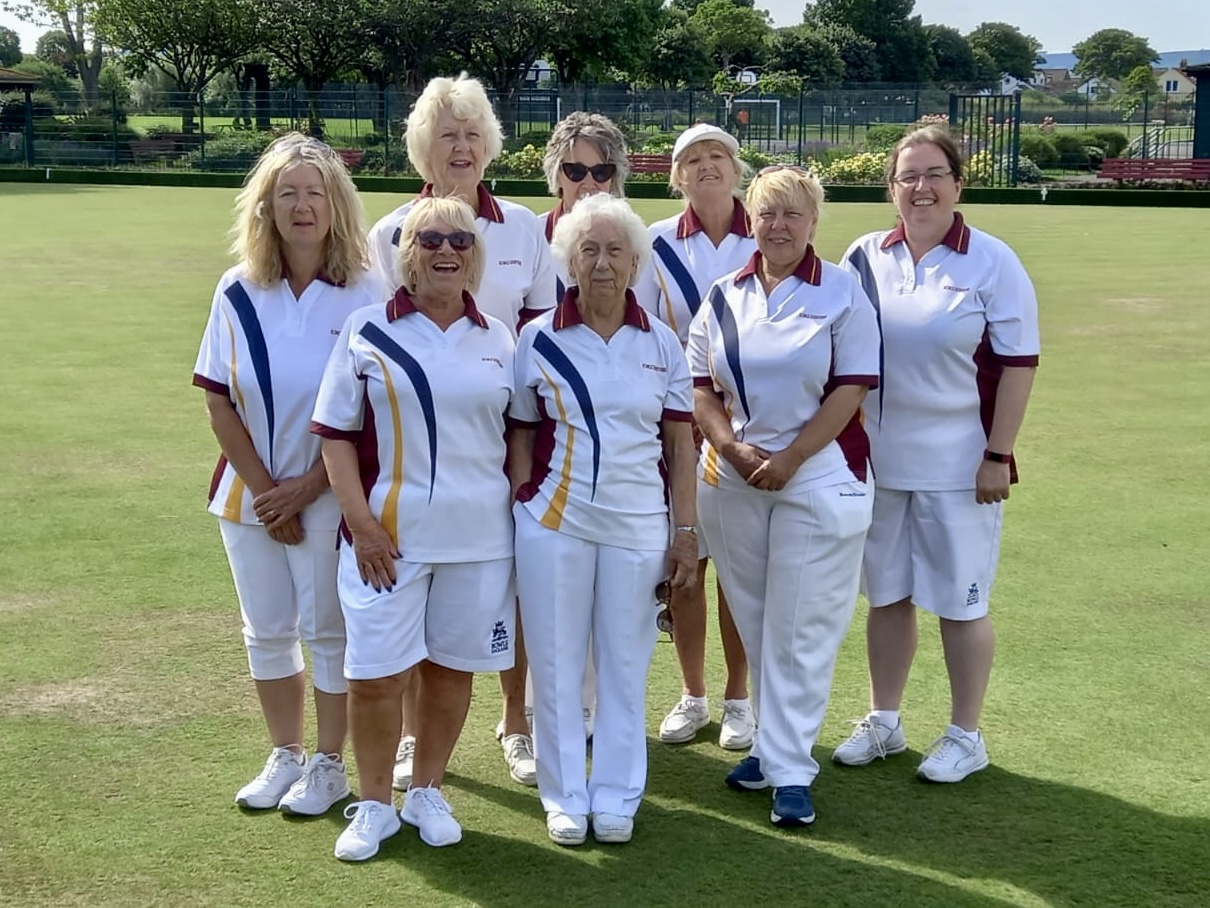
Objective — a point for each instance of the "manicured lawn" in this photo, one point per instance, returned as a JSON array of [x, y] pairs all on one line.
[[127, 721]]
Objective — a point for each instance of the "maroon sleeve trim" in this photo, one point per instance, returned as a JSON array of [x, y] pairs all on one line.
[[703, 381], [513, 423], [1016, 361], [870, 381], [677, 416], [209, 384], [527, 315], [318, 428]]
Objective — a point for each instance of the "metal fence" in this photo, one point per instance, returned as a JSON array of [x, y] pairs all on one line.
[[225, 130]]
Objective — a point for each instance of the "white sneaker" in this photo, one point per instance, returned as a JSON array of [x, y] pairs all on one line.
[[953, 757], [567, 828], [283, 768], [323, 783], [428, 811], [687, 718], [870, 741], [738, 726], [519, 754], [529, 723], [401, 775], [373, 823], [609, 827]]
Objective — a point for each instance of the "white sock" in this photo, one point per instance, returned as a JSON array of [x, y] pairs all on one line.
[[697, 701], [957, 731], [887, 718]]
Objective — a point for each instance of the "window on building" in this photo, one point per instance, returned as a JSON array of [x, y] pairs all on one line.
[[1171, 86]]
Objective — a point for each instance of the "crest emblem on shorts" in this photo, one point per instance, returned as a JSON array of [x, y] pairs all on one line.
[[972, 595], [499, 638]]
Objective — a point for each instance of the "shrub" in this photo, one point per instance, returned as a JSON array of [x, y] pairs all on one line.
[[880, 138], [1071, 150], [658, 144], [868, 167], [523, 164], [1040, 148], [979, 169], [12, 110], [232, 153], [374, 161], [755, 158], [1112, 141]]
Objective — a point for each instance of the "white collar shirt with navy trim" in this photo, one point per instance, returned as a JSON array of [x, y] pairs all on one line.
[[426, 410], [949, 326], [685, 263], [266, 351], [774, 358], [519, 280], [598, 407]]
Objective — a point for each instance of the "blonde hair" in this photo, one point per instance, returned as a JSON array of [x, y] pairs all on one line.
[[463, 97], [255, 239], [600, 207], [787, 186], [676, 177], [459, 216]]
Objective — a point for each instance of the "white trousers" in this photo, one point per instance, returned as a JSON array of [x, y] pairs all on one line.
[[789, 563], [571, 590], [288, 592]]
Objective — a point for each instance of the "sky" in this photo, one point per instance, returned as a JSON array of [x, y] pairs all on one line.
[[1058, 24]]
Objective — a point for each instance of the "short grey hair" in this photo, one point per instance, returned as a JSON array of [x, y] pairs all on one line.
[[577, 223], [597, 130], [466, 99]]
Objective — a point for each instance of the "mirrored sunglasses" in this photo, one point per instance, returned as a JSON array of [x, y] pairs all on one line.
[[601, 173], [432, 240], [663, 597]]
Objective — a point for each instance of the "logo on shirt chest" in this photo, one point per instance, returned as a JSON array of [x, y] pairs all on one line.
[[954, 289], [492, 359], [335, 332], [654, 368], [813, 316], [509, 262]]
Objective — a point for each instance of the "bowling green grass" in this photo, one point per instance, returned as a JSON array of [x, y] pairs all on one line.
[[127, 721]]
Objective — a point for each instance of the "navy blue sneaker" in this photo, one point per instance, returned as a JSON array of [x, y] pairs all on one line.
[[792, 806], [746, 775]]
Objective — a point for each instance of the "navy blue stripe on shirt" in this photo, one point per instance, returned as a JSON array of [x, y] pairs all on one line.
[[680, 274], [258, 350], [730, 331], [545, 345]]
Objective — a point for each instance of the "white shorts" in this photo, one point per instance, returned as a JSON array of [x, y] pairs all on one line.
[[939, 549], [287, 593], [461, 616]]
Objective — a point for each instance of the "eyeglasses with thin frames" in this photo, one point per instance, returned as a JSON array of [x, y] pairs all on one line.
[[931, 178]]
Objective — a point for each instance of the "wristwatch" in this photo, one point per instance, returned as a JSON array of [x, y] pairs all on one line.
[[995, 457], [687, 529]]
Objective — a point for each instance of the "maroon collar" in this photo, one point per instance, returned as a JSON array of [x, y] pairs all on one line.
[[958, 237], [488, 208], [402, 304], [552, 220], [809, 270], [567, 313], [690, 223]]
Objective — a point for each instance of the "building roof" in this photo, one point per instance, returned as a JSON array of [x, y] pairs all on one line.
[[11, 79]]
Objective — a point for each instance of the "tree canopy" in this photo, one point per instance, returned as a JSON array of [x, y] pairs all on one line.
[[1112, 53], [1012, 51]]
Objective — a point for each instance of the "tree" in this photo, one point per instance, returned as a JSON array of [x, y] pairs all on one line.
[[803, 51], [405, 37], [10, 46], [903, 50], [51, 79], [75, 18], [190, 40], [598, 36], [1112, 53], [1013, 52], [52, 47], [735, 34], [680, 54], [314, 42], [857, 52], [1140, 88], [953, 53]]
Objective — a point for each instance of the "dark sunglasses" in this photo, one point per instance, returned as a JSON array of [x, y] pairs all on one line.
[[663, 597], [460, 240], [601, 173]]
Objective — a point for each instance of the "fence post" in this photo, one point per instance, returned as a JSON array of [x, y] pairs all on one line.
[[1146, 134], [29, 128], [691, 107], [1015, 150], [201, 120], [113, 117], [802, 90], [386, 131]]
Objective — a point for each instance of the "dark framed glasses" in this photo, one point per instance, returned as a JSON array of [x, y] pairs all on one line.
[[460, 240], [601, 173], [663, 598]]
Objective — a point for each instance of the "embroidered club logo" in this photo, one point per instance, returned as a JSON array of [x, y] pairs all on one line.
[[499, 638], [972, 595]]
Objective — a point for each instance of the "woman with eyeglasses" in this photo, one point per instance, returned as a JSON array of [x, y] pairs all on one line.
[[452, 136], [692, 250], [273, 323], [601, 459], [959, 323], [412, 414], [782, 353]]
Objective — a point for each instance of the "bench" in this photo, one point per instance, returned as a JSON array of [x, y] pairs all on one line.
[[143, 150], [651, 163], [1134, 169], [351, 156]]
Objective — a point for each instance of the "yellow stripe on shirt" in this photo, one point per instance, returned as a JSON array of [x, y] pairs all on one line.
[[553, 518], [667, 299], [390, 505]]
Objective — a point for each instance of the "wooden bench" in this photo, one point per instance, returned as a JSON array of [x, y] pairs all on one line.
[[1134, 169], [143, 150], [651, 163], [351, 156]]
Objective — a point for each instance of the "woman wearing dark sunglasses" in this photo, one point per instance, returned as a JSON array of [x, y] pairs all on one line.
[[411, 411]]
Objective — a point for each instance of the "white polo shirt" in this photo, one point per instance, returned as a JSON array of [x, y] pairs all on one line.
[[775, 358], [519, 281], [597, 408], [266, 351], [426, 409], [684, 263], [562, 278], [949, 325]]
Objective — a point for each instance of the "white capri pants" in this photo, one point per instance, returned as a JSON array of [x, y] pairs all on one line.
[[460, 615], [789, 563], [287, 593], [570, 589]]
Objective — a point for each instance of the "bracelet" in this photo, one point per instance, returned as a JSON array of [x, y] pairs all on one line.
[[996, 458], [687, 529]]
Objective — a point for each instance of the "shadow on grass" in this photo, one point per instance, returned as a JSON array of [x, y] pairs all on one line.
[[1018, 839]]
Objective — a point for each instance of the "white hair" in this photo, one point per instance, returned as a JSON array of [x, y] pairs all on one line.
[[602, 207], [467, 100]]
